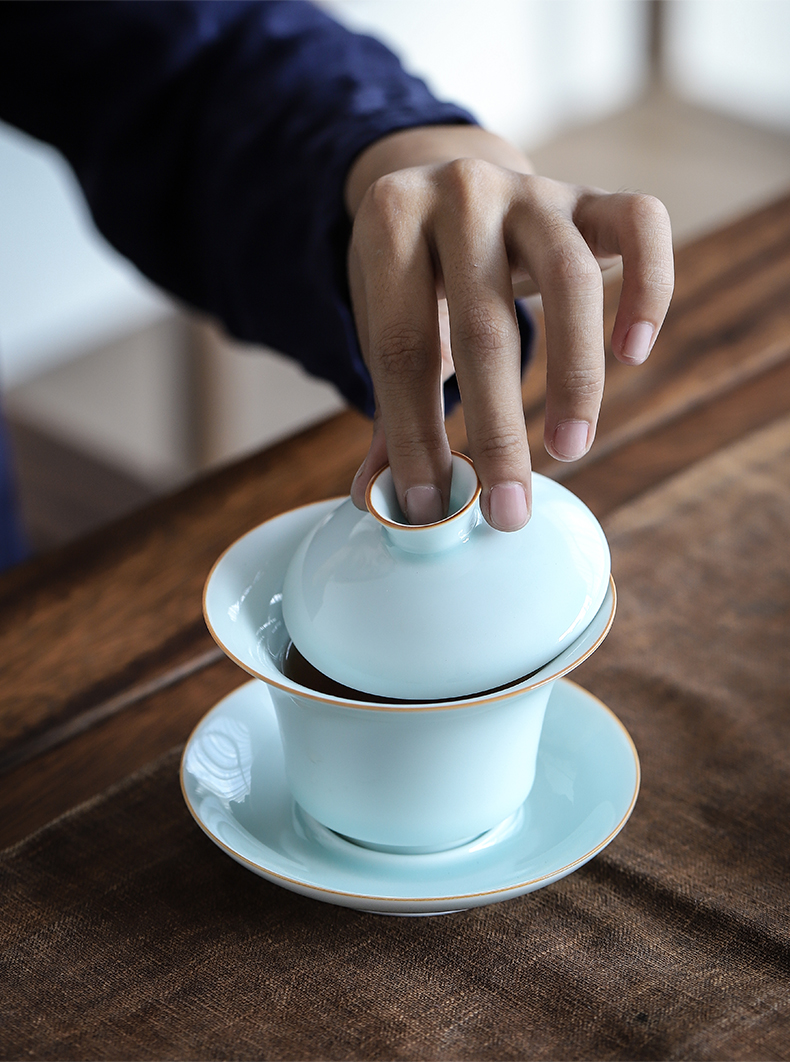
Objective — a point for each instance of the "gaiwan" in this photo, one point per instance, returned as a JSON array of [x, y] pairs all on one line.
[[445, 642]]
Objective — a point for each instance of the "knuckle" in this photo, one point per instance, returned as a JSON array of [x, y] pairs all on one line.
[[392, 193], [468, 183], [571, 268], [389, 206], [502, 446], [399, 351], [585, 382], [647, 212], [545, 206], [403, 449], [484, 332], [467, 173], [543, 194]]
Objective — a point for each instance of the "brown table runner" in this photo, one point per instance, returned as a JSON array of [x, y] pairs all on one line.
[[126, 934]]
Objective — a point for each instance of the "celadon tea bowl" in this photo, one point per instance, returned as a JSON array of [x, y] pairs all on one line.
[[402, 774]]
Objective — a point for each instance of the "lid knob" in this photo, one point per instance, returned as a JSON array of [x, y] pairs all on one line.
[[463, 513]]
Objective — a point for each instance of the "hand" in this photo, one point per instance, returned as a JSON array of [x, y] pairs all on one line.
[[450, 226]]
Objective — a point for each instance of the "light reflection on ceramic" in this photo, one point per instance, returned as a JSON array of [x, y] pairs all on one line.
[[586, 785], [420, 776], [449, 609], [222, 760]]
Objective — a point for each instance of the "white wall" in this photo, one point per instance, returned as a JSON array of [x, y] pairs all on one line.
[[732, 55], [63, 290], [524, 67]]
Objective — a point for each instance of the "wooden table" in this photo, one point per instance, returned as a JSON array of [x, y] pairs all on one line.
[[105, 660], [125, 933]]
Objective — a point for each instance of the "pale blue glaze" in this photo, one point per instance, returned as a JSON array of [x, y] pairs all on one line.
[[404, 776], [444, 610], [587, 779]]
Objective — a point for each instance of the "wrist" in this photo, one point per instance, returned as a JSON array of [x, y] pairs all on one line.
[[424, 146]]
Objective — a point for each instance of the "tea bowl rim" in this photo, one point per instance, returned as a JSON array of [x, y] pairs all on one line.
[[289, 686]]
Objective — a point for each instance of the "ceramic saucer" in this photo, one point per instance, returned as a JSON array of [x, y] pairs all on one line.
[[233, 781]]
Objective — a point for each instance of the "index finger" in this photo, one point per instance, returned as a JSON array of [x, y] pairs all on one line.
[[396, 304]]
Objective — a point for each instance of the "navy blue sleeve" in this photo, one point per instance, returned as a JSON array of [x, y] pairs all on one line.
[[13, 543], [212, 140]]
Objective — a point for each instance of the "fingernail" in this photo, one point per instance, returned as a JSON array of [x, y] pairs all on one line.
[[424, 504], [570, 438], [638, 341], [507, 506]]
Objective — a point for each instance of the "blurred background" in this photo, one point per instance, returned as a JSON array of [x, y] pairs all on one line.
[[113, 394]]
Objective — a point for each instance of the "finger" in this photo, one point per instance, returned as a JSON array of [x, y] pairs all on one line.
[[376, 456], [448, 365], [486, 347], [524, 287], [375, 460], [401, 328], [541, 231], [638, 228], [573, 306]]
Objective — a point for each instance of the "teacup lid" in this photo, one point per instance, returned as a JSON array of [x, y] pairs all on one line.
[[444, 610]]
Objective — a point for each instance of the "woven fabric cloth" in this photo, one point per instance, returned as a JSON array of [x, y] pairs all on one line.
[[126, 934]]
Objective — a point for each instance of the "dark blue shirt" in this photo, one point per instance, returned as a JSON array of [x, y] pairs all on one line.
[[212, 141]]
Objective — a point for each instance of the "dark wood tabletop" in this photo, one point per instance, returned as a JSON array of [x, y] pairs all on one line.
[[104, 657]]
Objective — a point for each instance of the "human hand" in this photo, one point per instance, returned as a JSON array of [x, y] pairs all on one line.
[[450, 226]]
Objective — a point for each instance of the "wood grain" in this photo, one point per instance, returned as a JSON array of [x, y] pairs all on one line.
[[89, 631], [34, 794], [649, 459], [123, 606]]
